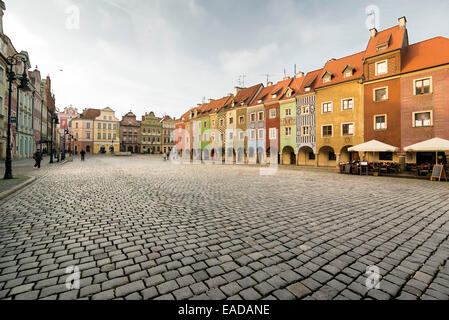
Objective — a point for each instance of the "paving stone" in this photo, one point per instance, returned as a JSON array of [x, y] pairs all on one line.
[[299, 290]]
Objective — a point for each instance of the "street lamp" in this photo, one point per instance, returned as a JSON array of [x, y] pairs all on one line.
[[12, 61], [54, 118]]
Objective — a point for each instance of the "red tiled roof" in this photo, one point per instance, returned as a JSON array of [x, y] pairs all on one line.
[[245, 96], [310, 80], [91, 114], [426, 54], [213, 106], [295, 86], [395, 35], [336, 68], [266, 94]]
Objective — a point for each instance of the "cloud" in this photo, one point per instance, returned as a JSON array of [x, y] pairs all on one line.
[[238, 61]]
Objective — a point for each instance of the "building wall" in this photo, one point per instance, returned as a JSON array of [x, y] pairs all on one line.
[[83, 133], [337, 142], [150, 134], [273, 123], [391, 108], [308, 142], [437, 102], [287, 142], [106, 132], [258, 144]]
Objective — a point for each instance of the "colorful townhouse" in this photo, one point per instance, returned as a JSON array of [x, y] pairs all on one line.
[[382, 63], [306, 129], [83, 131], [340, 117], [150, 134], [287, 111], [106, 132], [255, 114], [180, 135], [236, 108], [168, 134], [130, 133], [213, 137], [424, 96]]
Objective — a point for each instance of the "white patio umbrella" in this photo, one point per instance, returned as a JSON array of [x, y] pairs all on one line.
[[433, 145], [373, 146]]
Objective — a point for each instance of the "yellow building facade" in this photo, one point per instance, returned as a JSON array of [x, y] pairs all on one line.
[[106, 132], [339, 111]]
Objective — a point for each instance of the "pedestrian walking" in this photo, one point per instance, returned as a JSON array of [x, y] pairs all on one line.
[[83, 154], [37, 156]]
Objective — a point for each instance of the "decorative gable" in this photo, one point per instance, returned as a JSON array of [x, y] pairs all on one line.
[[327, 77], [348, 71]]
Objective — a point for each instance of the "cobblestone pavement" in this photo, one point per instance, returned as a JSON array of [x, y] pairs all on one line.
[[141, 228]]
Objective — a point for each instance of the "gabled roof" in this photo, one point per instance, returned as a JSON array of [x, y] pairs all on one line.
[[295, 87], [394, 36], [266, 95], [335, 67], [426, 54], [91, 114], [213, 106], [244, 97], [310, 80]]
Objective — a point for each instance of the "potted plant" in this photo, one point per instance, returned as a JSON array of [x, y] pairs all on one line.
[[376, 172]]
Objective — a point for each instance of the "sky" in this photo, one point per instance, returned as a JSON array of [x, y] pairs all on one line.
[[167, 56]]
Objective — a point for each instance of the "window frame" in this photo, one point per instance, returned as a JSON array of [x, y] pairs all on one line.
[[348, 135], [271, 113], [422, 79], [347, 99], [302, 131], [381, 88], [331, 103], [376, 67], [288, 112], [285, 132], [263, 116], [375, 121], [418, 112], [304, 108], [271, 130], [322, 133]]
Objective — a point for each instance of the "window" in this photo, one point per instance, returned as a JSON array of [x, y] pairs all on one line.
[[88, 125], [380, 122], [76, 125], [347, 104], [273, 133], [99, 136], [76, 136], [221, 122], [381, 67], [305, 131], [253, 117], [327, 131], [347, 129], [327, 79], [422, 119], [115, 137], [288, 112], [422, 86], [288, 131], [212, 136], [332, 156], [386, 156], [381, 94], [272, 113], [261, 133], [261, 117], [231, 135], [99, 126], [327, 107], [205, 137], [241, 120], [205, 124], [241, 136], [348, 74], [104, 136], [253, 134], [104, 126], [115, 126], [231, 120], [109, 136], [2, 74], [213, 123], [88, 135], [305, 110]]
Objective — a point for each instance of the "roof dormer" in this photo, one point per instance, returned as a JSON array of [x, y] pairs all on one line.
[[383, 42], [348, 71], [327, 77]]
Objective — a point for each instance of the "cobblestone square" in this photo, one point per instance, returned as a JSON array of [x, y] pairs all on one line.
[[140, 228]]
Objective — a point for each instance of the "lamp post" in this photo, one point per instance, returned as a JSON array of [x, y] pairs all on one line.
[[13, 61], [54, 118]]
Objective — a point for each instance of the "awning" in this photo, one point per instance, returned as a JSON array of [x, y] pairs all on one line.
[[373, 146], [432, 145]]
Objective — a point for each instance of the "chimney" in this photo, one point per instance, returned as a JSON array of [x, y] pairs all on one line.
[[300, 75], [269, 84], [199, 105], [237, 90], [286, 78], [210, 100], [402, 22], [373, 32]]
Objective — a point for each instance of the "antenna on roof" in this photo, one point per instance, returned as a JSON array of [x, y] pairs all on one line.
[[204, 100], [268, 77], [285, 73], [295, 68]]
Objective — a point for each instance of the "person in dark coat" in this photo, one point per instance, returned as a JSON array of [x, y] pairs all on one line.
[[83, 155], [37, 158]]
